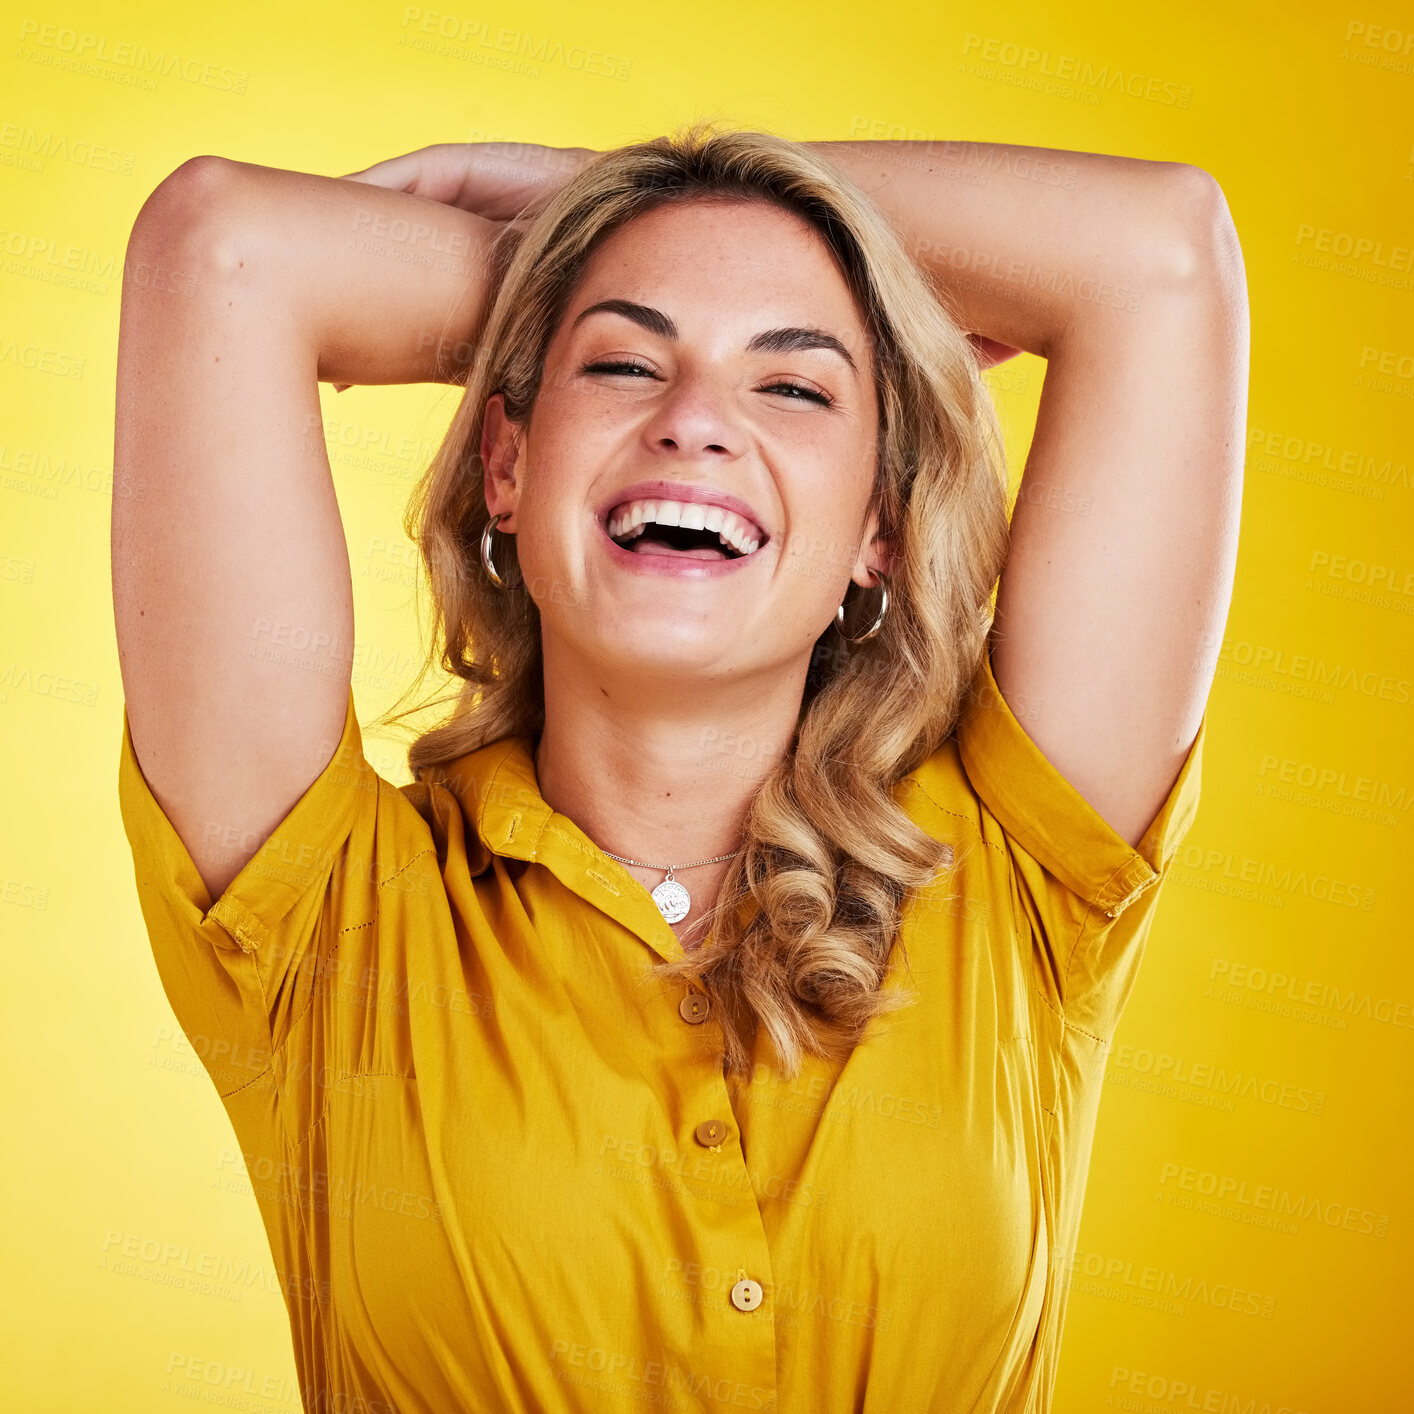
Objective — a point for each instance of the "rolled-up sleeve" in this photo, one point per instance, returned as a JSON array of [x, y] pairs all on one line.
[[1090, 894], [241, 971]]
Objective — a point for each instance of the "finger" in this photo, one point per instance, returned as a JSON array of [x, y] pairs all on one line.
[[397, 173], [433, 172]]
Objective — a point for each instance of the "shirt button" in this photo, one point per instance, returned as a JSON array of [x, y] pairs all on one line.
[[711, 1131], [694, 1008], [746, 1294]]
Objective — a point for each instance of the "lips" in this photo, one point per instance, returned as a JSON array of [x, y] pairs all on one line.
[[681, 520]]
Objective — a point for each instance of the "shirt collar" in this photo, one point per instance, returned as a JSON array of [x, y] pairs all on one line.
[[498, 790]]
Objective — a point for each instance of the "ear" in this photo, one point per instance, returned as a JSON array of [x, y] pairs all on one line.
[[501, 458], [875, 553]]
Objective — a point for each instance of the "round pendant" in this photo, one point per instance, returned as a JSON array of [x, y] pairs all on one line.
[[672, 899]]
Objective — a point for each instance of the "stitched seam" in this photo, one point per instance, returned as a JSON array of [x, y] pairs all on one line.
[[1045, 1001], [376, 1075], [333, 952], [314, 1123], [1075, 951], [405, 868], [1070, 967], [245, 938], [1104, 892], [277, 1051], [1071, 1026], [970, 824], [1059, 1015], [245, 1085], [313, 992], [289, 1031], [570, 840], [490, 789], [269, 1068], [1121, 904], [352, 928], [586, 852]]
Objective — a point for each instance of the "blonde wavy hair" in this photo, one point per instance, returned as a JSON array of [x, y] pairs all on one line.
[[811, 907]]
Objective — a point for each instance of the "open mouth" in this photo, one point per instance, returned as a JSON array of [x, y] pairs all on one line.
[[686, 528]]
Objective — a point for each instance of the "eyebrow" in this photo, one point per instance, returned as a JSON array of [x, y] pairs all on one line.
[[790, 340]]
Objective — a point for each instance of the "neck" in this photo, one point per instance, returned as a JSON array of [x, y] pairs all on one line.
[[658, 770]]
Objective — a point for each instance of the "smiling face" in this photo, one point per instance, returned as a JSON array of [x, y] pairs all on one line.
[[692, 495]]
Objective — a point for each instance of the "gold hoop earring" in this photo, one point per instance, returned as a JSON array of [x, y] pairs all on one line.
[[878, 623], [486, 554]]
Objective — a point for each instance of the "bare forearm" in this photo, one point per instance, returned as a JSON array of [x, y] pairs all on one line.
[[381, 287], [1034, 244]]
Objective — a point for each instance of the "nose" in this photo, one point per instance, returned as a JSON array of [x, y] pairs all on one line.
[[696, 414]]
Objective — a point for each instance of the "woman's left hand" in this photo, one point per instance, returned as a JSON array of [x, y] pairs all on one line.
[[497, 180]]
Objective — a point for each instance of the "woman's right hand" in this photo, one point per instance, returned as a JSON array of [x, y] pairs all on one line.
[[496, 180]]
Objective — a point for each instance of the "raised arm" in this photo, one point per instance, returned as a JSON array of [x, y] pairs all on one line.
[[1127, 277], [232, 596]]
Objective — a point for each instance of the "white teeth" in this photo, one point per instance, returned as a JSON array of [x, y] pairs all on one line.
[[631, 519]]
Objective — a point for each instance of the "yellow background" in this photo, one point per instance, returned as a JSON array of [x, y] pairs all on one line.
[[138, 1275]]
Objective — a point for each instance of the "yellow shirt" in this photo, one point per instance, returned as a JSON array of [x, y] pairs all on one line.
[[500, 1165]]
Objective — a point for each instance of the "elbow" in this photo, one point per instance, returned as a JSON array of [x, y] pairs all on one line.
[[193, 207], [1202, 253], [186, 194]]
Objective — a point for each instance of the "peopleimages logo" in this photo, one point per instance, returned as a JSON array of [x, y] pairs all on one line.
[[1206, 1075], [80, 51], [1280, 880], [1178, 1289], [31, 149], [1263, 659], [1290, 995], [1244, 1193], [1310, 453], [1131, 1388], [459, 37], [1067, 69]]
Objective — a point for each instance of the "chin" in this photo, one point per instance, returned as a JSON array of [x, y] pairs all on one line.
[[663, 648]]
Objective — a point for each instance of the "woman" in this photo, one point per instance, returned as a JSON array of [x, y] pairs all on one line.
[[711, 543]]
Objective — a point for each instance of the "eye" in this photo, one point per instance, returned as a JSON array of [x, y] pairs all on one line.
[[813, 395], [795, 392], [615, 365]]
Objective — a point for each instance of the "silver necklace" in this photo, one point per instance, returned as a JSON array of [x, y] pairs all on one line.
[[673, 900]]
